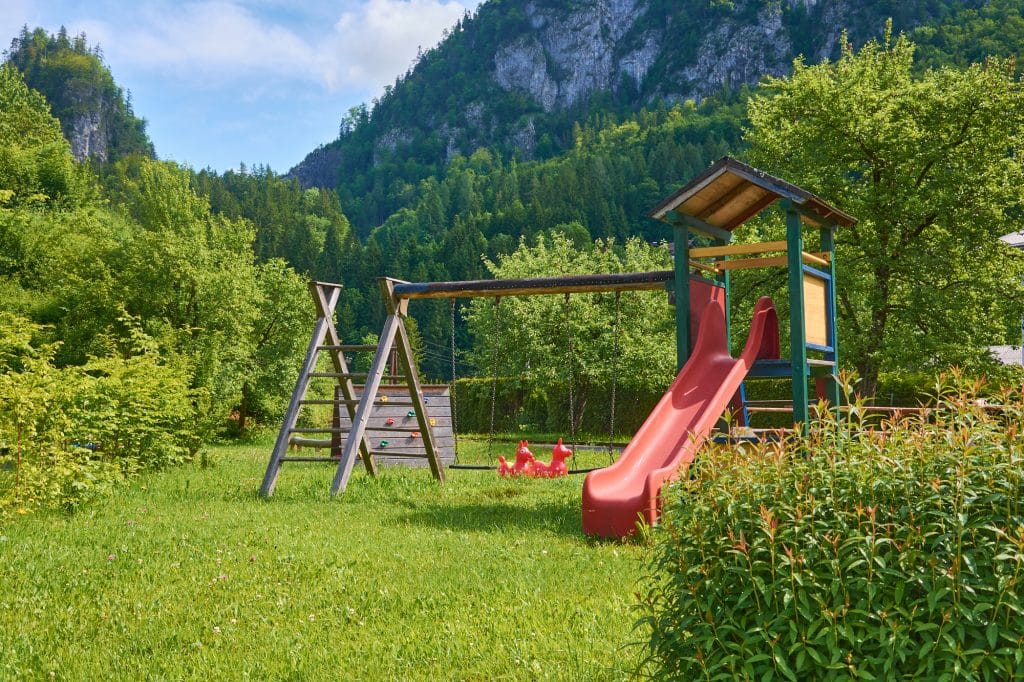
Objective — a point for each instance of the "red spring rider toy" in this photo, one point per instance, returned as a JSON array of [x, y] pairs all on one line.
[[557, 468], [523, 465]]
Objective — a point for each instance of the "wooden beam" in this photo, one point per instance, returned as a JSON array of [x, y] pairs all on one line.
[[736, 249], [816, 259], [531, 286], [768, 262], [362, 413], [742, 186], [698, 225], [754, 209]]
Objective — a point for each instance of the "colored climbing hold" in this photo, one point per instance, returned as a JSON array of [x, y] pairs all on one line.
[[390, 421], [410, 413], [383, 443], [433, 422], [415, 434], [426, 400], [383, 398]]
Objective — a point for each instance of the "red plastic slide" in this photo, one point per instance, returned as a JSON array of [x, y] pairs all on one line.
[[617, 497]]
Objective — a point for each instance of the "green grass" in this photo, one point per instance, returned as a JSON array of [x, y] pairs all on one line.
[[188, 574]]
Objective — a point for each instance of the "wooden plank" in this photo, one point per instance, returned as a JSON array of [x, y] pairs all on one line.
[[332, 460], [697, 225], [362, 413], [736, 249], [301, 386], [631, 281], [350, 375], [751, 210], [748, 263], [739, 186], [816, 258], [348, 347], [751, 196]]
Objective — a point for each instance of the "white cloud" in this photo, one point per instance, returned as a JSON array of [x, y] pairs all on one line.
[[379, 40], [215, 40], [13, 15]]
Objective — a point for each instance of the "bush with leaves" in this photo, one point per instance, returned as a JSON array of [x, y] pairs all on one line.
[[858, 553], [70, 434]]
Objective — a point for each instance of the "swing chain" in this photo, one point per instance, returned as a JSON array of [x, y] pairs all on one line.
[[615, 376], [454, 391], [568, 365], [494, 377]]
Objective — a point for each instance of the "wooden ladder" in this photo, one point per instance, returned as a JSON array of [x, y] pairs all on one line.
[[359, 407]]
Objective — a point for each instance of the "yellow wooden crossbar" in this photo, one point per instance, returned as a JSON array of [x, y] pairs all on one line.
[[771, 261], [736, 249]]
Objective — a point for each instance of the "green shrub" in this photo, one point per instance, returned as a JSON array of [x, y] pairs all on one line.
[[69, 434], [866, 553]]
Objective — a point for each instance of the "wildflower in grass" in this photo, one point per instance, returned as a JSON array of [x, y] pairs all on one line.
[[111, 557], [216, 629]]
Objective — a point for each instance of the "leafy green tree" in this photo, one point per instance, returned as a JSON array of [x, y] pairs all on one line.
[[276, 342], [930, 164], [190, 276], [533, 343], [36, 166]]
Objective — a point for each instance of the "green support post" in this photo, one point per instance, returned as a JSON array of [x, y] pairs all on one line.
[[797, 328], [828, 244], [682, 289], [726, 282]]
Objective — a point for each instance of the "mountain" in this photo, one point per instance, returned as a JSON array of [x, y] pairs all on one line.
[[516, 76], [95, 115]]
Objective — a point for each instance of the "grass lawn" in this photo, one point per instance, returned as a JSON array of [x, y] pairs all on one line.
[[188, 574]]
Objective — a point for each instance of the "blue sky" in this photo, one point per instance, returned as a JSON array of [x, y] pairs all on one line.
[[264, 81]]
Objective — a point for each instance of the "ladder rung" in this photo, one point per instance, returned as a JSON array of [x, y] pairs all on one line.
[[388, 453], [311, 443], [310, 459], [325, 429], [352, 348], [352, 375], [355, 401]]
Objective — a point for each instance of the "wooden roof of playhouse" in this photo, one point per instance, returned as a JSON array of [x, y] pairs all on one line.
[[730, 192]]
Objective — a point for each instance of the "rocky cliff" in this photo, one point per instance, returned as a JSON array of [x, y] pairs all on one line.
[[515, 75], [95, 115]]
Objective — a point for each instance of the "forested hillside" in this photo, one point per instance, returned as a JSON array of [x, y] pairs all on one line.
[[95, 115], [133, 320], [519, 75], [424, 209]]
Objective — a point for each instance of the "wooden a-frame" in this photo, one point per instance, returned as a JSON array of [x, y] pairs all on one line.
[[359, 407]]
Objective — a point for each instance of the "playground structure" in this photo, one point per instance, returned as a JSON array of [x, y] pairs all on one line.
[[709, 379]]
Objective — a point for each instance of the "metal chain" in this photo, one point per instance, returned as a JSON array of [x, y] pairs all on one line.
[[615, 376], [494, 377], [568, 367], [454, 391]]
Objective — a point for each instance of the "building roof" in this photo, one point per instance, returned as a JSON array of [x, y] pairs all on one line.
[[730, 192], [1014, 239], [1007, 355]]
